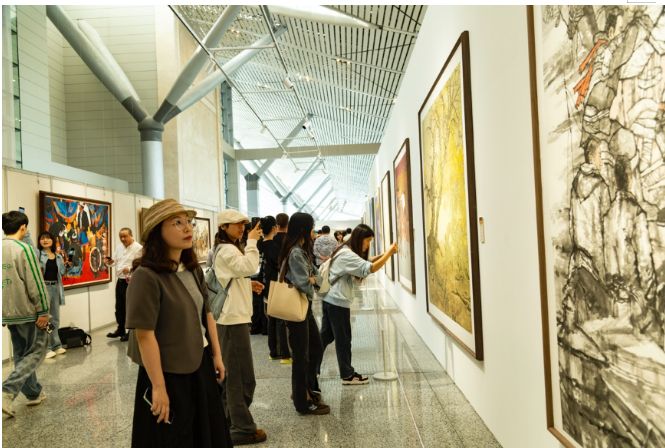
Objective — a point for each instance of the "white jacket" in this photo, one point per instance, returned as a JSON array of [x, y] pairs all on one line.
[[232, 265]]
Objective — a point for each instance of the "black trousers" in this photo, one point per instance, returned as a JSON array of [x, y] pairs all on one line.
[[121, 303], [259, 319], [197, 410], [336, 326], [306, 353], [278, 344]]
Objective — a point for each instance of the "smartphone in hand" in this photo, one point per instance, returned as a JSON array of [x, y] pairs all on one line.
[[147, 397]]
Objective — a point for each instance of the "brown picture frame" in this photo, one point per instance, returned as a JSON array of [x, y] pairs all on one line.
[[404, 156], [76, 248], [474, 339], [387, 223]]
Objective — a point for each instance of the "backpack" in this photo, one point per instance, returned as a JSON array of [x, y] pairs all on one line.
[[324, 272], [216, 293], [74, 337]]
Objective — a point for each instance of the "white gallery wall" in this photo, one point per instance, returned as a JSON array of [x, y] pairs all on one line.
[[507, 389], [88, 307]]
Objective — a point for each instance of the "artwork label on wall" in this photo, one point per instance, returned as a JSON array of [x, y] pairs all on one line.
[[201, 238], [81, 228], [404, 218], [387, 225], [598, 89], [449, 202]]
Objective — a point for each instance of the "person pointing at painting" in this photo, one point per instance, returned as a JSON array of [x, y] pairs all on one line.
[[122, 260]]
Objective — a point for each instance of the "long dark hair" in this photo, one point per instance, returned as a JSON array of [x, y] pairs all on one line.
[[300, 226], [48, 234], [355, 242], [156, 257]]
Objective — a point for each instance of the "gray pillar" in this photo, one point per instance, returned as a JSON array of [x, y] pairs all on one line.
[[152, 158], [252, 194]]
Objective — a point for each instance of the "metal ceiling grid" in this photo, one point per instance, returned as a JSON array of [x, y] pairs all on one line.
[[347, 77]]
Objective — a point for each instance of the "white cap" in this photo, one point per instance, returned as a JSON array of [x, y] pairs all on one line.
[[230, 216]]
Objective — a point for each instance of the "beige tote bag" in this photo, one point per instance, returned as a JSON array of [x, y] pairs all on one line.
[[285, 301]]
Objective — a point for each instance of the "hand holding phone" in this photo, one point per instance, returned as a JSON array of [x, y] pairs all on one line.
[[158, 401]]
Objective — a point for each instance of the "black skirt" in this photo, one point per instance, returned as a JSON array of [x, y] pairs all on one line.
[[197, 410]]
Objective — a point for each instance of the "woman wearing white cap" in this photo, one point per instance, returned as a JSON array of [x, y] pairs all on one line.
[[233, 267], [174, 341]]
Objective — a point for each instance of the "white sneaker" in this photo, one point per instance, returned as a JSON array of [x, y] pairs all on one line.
[[50, 354], [36, 401], [60, 351], [8, 404]]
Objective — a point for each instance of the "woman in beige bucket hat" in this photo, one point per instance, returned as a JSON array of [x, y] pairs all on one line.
[[174, 341]]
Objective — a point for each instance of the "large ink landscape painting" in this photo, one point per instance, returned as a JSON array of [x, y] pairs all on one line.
[[600, 85]]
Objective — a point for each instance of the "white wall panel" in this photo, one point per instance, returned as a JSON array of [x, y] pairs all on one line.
[[507, 388]]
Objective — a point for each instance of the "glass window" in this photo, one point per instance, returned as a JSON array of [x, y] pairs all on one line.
[[15, 83], [14, 48], [17, 113]]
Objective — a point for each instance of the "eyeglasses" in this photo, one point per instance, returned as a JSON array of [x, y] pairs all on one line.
[[182, 224]]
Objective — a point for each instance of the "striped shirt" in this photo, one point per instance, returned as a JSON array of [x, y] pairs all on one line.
[[24, 296]]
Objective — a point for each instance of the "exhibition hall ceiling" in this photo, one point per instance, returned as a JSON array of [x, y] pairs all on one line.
[[347, 76]]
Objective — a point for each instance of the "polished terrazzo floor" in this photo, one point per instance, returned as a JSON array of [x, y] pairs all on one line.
[[90, 393]]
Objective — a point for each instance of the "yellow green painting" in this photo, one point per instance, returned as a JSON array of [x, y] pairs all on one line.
[[447, 238]]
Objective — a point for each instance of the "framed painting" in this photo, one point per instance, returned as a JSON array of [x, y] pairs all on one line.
[[370, 223], [81, 229], [201, 238], [406, 268], [387, 224], [378, 224], [597, 87], [449, 202], [141, 214]]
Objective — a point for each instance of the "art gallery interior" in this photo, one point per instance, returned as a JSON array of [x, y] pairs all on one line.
[[515, 154]]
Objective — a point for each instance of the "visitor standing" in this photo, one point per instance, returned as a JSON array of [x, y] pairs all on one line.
[[122, 260], [177, 401], [53, 268], [24, 311]]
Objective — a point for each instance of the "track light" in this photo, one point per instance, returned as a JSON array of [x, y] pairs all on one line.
[[306, 124], [287, 83]]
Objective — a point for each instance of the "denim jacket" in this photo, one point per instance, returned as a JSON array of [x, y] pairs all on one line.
[[345, 268], [300, 269], [43, 258]]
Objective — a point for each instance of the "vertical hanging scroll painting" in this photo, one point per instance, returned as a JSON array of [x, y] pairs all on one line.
[[598, 90], [404, 218], [449, 202]]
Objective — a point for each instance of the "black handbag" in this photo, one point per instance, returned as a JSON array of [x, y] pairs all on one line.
[[74, 337]]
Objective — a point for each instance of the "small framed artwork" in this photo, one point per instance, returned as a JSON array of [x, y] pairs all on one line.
[[201, 241], [449, 202], [406, 267], [81, 229], [387, 227]]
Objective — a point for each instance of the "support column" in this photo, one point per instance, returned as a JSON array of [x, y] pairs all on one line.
[[252, 194], [152, 157]]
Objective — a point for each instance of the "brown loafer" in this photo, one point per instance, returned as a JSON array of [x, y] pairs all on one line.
[[249, 439]]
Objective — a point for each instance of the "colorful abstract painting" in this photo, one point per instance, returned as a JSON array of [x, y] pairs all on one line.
[[449, 210], [598, 83], [404, 218], [81, 228]]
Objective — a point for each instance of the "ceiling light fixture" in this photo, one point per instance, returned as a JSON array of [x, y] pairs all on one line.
[[318, 13], [287, 83]]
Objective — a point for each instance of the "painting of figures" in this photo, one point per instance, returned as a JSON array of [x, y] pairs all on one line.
[[387, 229], [598, 84], [81, 229], [449, 205], [404, 218], [201, 238]]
